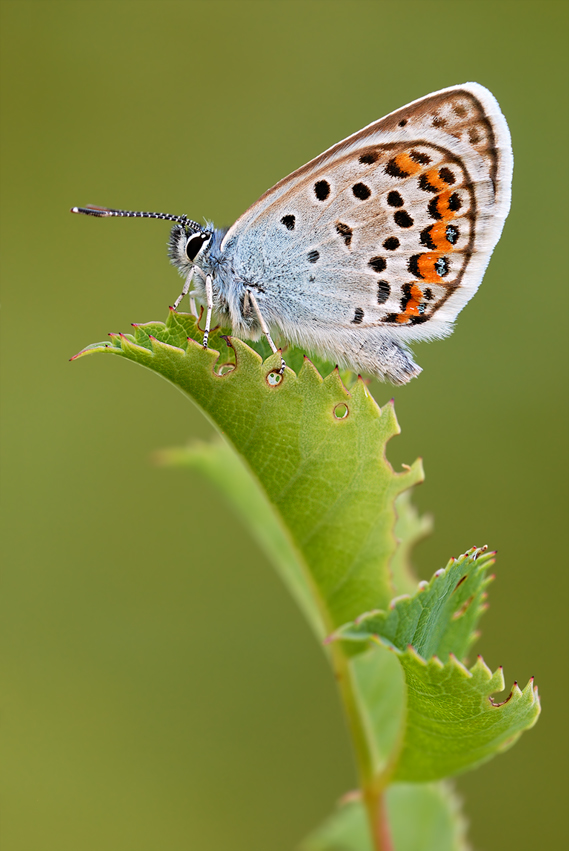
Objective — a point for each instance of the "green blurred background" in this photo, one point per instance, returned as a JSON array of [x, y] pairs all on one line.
[[161, 692]]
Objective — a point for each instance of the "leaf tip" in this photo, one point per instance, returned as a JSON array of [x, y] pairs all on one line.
[[333, 382], [96, 347], [308, 372]]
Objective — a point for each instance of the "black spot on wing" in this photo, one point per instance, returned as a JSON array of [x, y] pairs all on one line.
[[383, 292], [403, 219], [432, 208], [407, 296], [313, 256], [393, 170], [419, 157], [413, 265], [361, 191], [394, 199], [378, 264], [321, 189], [425, 185], [447, 175], [358, 316], [368, 159], [426, 238], [345, 232], [391, 243], [289, 222], [454, 202]]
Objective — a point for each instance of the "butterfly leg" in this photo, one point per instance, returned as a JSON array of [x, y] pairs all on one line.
[[185, 290], [193, 308], [209, 306], [265, 330]]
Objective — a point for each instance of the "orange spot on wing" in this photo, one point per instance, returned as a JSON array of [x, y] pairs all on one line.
[[442, 206], [438, 234], [435, 180], [406, 164], [416, 293], [412, 308], [427, 270]]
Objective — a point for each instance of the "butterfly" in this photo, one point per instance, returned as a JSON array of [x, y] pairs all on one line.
[[377, 243]]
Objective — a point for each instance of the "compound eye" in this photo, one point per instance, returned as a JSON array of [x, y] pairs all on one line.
[[195, 244]]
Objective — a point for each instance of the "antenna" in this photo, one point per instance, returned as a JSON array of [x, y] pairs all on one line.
[[106, 212]]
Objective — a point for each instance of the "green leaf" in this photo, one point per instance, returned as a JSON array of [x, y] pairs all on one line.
[[440, 618], [316, 448], [452, 724], [422, 817], [444, 721]]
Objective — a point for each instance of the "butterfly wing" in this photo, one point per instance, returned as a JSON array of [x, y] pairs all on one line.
[[383, 238]]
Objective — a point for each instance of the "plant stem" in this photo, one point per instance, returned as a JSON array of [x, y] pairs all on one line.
[[378, 821], [372, 788]]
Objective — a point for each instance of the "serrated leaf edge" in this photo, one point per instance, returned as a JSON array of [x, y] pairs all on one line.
[[480, 555]]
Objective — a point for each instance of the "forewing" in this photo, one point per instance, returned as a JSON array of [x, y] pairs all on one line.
[[391, 228]]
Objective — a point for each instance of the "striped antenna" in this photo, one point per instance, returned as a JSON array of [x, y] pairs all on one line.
[[106, 212]]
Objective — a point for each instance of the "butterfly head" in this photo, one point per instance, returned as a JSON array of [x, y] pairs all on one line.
[[188, 246]]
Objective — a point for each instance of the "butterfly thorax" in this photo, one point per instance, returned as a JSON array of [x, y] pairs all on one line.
[[230, 286]]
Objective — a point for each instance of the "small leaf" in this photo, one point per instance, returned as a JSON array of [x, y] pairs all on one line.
[[422, 817], [440, 618], [452, 724]]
